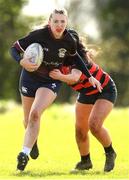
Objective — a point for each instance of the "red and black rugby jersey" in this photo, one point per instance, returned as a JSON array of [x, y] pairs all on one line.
[[83, 85]]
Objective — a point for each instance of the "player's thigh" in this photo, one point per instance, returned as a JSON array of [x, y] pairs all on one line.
[[44, 98], [26, 104], [82, 114], [100, 111]]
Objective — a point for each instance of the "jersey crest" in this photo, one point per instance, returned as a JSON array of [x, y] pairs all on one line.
[[62, 52]]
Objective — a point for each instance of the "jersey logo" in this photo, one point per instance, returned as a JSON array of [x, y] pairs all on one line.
[[24, 89], [45, 49], [53, 86], [62, 52]]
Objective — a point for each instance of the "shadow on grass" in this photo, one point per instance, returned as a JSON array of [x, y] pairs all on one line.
[[39, 174]]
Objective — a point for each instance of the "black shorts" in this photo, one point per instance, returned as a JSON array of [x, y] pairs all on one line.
[[28, 85], [109, 93]]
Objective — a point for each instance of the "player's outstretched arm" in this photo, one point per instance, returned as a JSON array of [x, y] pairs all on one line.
[[71, 78]]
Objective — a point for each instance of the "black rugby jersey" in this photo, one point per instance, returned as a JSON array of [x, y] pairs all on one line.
[[55, 50]]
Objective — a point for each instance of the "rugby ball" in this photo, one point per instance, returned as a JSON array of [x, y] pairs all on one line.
[[34, 52]]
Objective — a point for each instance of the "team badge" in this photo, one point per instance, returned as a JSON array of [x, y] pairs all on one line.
[[62, 52]]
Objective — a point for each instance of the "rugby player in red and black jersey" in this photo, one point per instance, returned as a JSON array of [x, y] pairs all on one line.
[[92, 108], [37, 89]]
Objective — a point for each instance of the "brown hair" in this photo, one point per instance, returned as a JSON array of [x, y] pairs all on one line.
[[59, 11]]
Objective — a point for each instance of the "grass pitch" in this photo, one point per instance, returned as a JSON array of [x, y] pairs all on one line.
[[58, 149]]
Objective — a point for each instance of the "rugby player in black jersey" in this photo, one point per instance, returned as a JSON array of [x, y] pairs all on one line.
[[38, 90], [92, 108]]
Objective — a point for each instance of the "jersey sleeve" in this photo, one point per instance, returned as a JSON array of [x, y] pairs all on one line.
[[20, 45], [72, 44], [79, 45], [16, 54], [79, 57], [24, 42]]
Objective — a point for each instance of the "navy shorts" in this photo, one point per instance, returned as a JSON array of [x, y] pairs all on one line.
[[28, 85], [109, 93]]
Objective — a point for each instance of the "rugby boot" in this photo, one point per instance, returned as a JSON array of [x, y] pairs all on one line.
[[110, 161], [84, 165], [35, 151], [22, 160]]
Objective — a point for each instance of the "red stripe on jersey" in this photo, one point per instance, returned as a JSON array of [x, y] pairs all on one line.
[[80, 84], [98, 77], [65, 69], [99, 74], [93, 68], [107, 78], [82, 78]]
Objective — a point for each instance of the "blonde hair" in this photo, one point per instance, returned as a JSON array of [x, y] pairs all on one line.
[[59, 11]]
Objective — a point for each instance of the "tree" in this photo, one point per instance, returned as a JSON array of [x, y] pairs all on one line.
[[13, 25], [113, 16], [9, 30]]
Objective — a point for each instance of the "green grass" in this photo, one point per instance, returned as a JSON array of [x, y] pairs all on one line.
[[58, 150]]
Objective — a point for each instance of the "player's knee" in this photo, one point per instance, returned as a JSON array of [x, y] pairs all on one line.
[[93, 125], [80, 134], [34, 115]]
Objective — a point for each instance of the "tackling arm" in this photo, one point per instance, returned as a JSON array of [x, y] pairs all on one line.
[[70, 78]]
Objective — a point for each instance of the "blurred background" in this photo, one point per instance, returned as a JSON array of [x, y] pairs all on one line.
[[103, 24]]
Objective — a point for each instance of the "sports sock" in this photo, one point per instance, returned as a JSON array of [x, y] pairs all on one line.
[[109, 149], [85, 158], [26, 150]]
